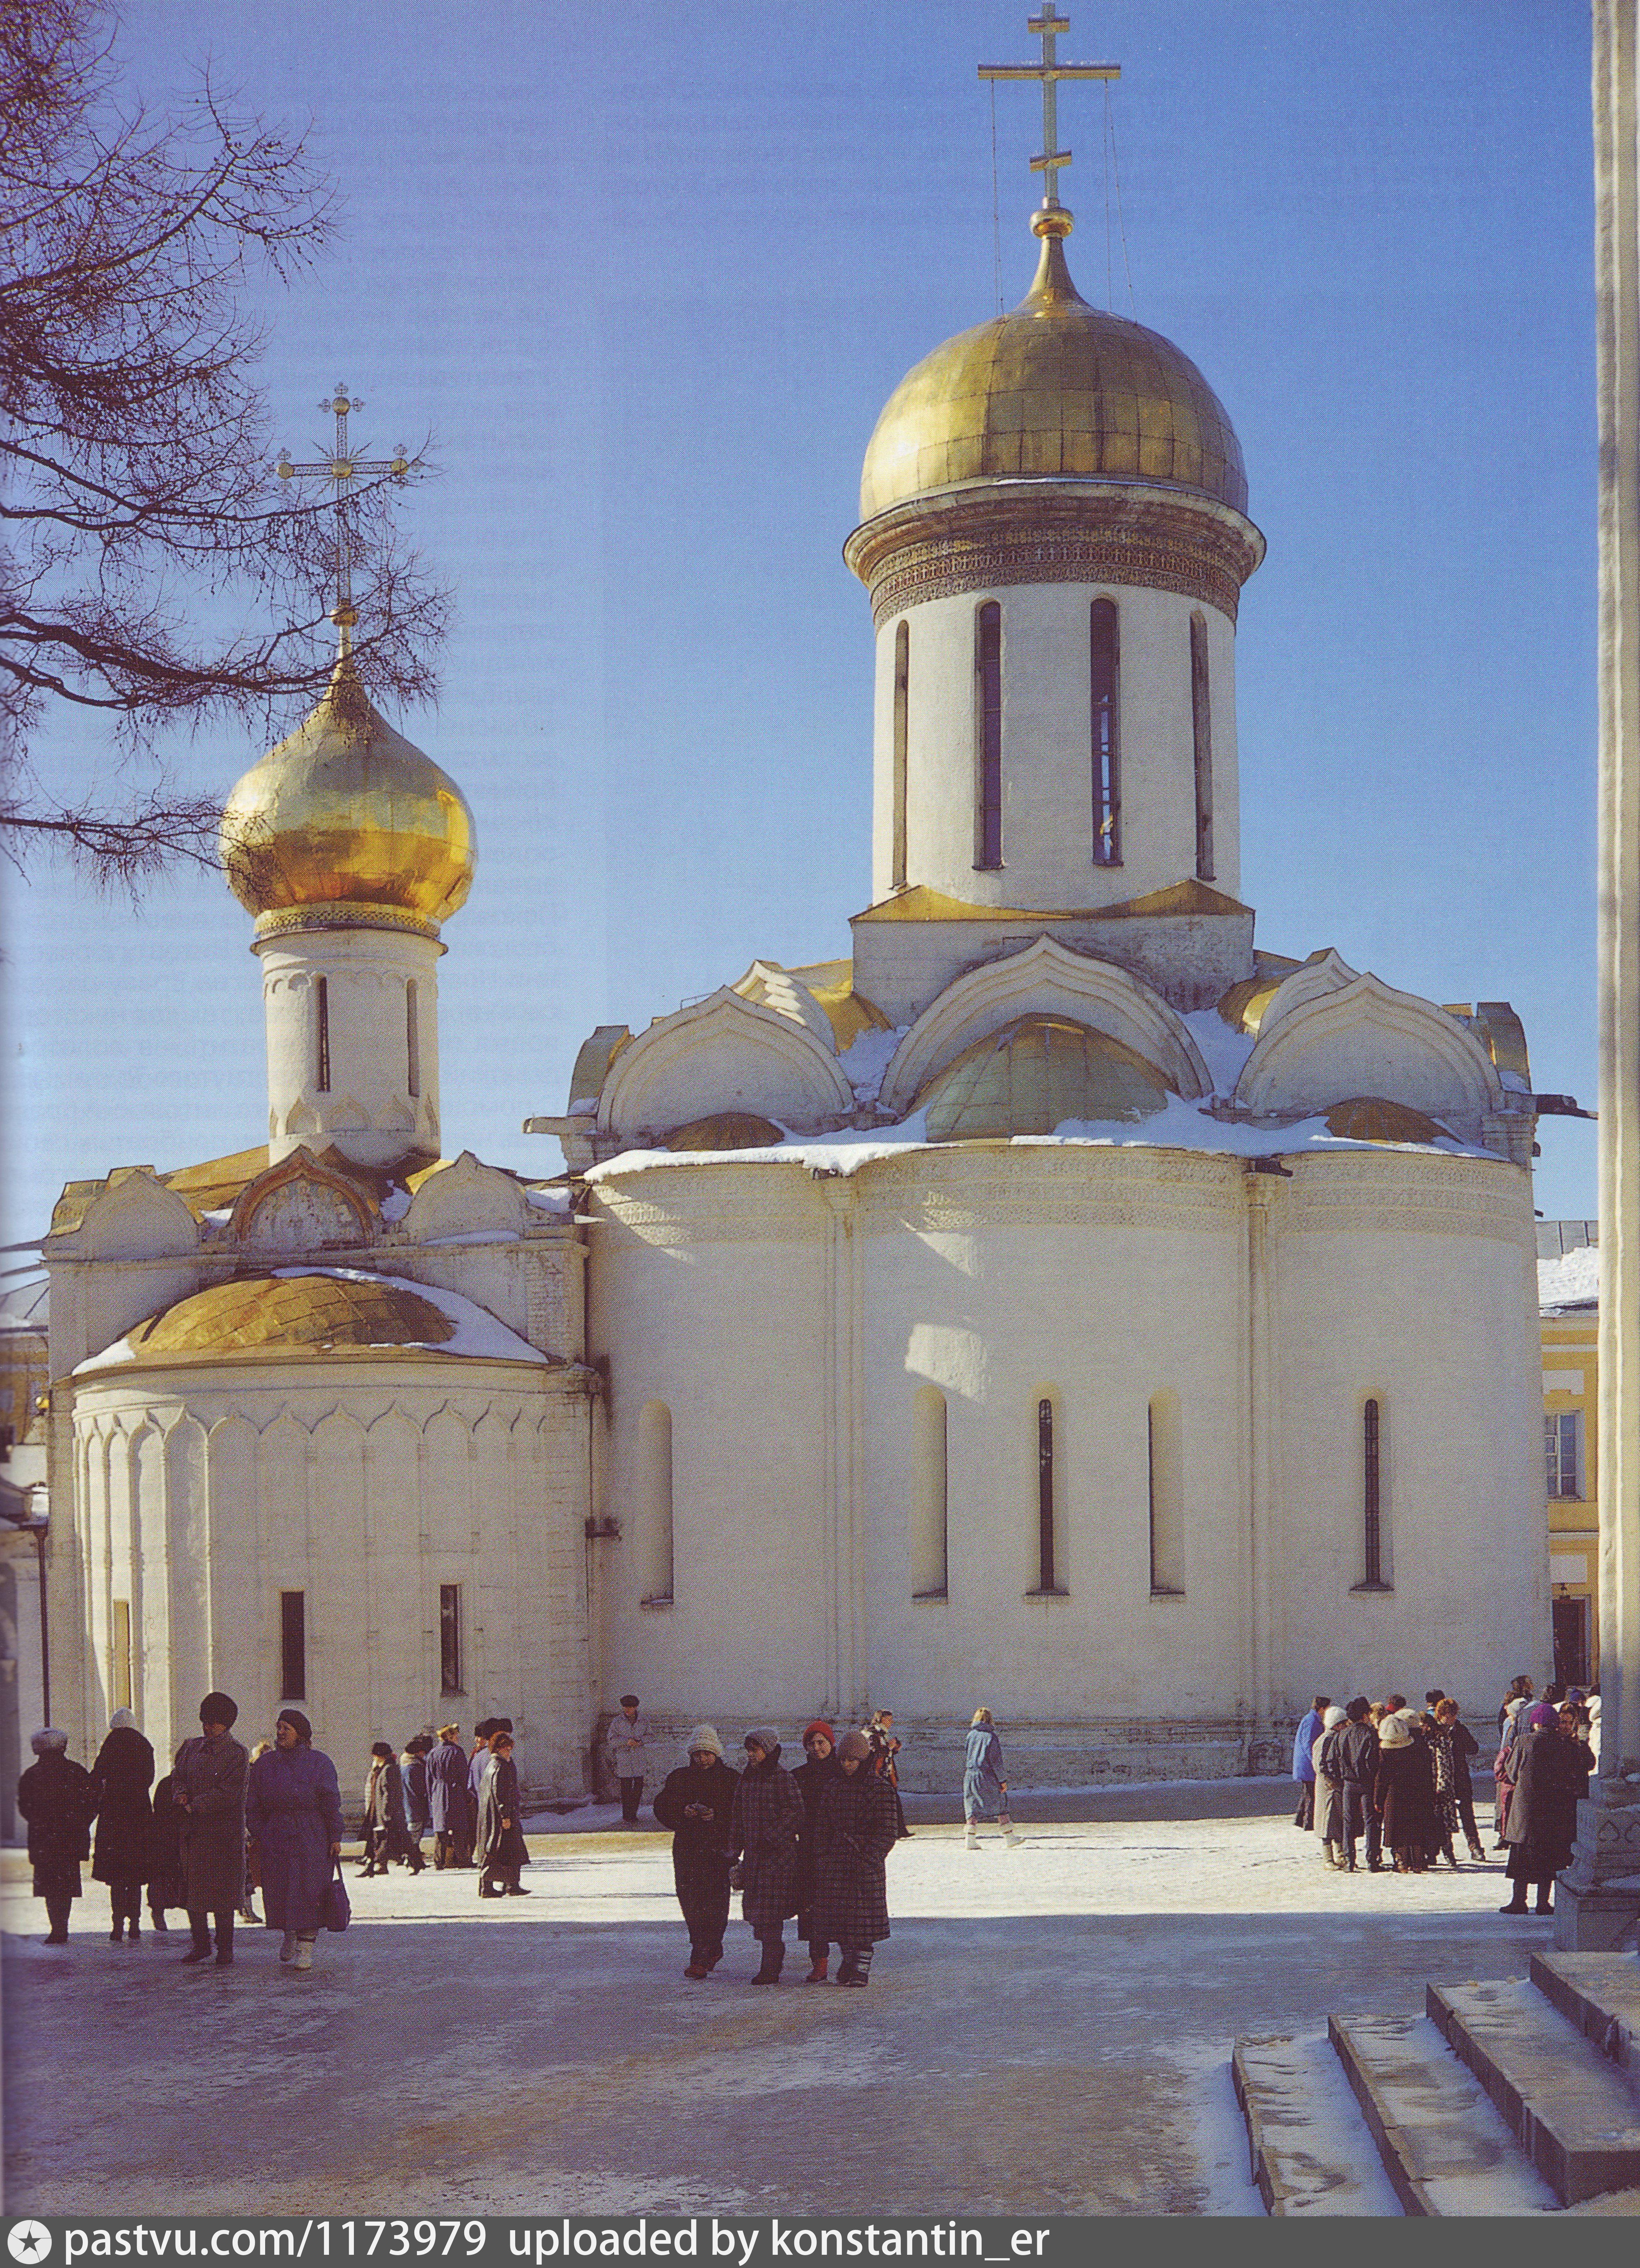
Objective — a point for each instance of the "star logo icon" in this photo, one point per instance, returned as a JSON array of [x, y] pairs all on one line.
[[28, 2241]]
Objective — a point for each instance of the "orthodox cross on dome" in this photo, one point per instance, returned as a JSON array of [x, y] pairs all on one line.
[[342, 466], [1048, 26]]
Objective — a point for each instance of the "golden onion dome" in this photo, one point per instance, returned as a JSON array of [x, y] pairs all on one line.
[[1057, 389], [1035, 1074], [348, 816], [1371, 1118], [262, 1314]]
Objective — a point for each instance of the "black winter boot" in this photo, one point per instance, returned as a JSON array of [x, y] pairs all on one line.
[[774, 1960], [224, 1938], [200, 1949]]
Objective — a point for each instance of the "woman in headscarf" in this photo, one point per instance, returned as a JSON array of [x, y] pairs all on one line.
[[697, 1803], [1329, 1786], [386, 1834], [1550, 1781], [856, 1830], [55, 1796], [764, 1829], [293, 1809], [120, 1778], [810, 1780], [502, 1849], [1506, 1762], [1403, 1792]]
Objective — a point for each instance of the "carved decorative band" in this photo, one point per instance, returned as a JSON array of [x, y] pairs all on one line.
[[948, 566], [287, 921]]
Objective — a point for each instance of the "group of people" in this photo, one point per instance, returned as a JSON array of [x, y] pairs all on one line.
[[225, 1820], [1399, 1778]]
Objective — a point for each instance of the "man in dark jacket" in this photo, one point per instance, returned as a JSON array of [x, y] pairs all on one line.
[[208, 1781], [446, 1799], [697, 1803], [1358, 1757]]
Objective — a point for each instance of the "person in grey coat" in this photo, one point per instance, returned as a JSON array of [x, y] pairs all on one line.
[[626, 1752], [984, 1779], [764, 1829], [208, 1782], [856, 1828], [446, 1799]]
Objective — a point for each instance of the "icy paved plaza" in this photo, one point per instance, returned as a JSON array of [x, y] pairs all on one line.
[[1047, 2031]]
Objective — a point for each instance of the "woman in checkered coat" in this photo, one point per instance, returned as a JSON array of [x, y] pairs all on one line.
[[763, 1832], [856, 1828]]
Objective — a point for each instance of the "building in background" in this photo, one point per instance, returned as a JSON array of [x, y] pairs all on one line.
[[1569, 1290]]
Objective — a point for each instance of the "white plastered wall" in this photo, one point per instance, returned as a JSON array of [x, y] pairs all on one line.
[[368, 1110], [1047, 809]]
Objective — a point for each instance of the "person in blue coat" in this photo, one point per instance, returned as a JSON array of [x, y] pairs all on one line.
[[293, 1808], [1304, 1760], [446, 1799]]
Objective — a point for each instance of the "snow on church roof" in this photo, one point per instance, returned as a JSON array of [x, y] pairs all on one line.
[[306, 1311]]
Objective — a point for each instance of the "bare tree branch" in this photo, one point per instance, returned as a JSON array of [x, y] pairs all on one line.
[[137, 495]]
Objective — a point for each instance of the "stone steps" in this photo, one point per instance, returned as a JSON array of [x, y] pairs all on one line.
[[1511, 2097]]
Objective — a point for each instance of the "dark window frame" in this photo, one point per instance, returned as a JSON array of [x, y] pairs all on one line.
[[450, 1663], [293, 1646], [988, 814], [1104, 712], [1202, 727], [901, 750]]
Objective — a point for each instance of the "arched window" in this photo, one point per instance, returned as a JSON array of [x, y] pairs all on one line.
[[322, 1034], [928, 1494], [903, 693], [988, 834], [1166, 1462], [412, 1041], [1104, 688], [1050, 1558], [1202, 720], [654, 1503]]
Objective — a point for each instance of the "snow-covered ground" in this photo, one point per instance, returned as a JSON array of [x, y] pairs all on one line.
[[1047, 2030]]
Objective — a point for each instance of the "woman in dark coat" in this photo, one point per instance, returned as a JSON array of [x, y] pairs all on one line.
[[697, 1803], [208, 1784], [1551, 1780], [502, 1850], [386, 1832], [120, 1778], [858, 1828], [1455, 1747], [763, 1838], [55, 1796], [1403, 1794], [168, 1886], [446, 1799], [293, 1809], [811, 1780]]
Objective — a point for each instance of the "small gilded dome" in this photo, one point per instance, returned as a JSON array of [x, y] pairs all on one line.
[[1055, 390], [346, 814]]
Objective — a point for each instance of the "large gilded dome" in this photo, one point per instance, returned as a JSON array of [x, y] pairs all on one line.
[[1057, 389], [348, 815]]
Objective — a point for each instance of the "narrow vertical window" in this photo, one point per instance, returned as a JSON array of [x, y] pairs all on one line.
[[654, 1497], [902, 726], [120, 1666], [321, 1034], [1166, 1476], [928, 1494], [450, 1637], [1563, 1439], [1104, 659], [1372, 1523], [1202, 719], [293, 1646], [988, 664], [1047, 1562], [412, 1041]]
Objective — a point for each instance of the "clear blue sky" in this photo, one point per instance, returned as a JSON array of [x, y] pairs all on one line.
[[648, 277]]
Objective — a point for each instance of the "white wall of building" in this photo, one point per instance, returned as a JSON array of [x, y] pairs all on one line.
[[382, 1094]]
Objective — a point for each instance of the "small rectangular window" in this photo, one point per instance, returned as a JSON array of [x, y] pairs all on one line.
[[988, 664], [450, 1637], [1104, 687], [1046, 1570], [902, 724], [322, 1034], [293, 1646], [1202, 719], [1562, 1453], [119, 1667], [412, 1040], [1372, 1526]]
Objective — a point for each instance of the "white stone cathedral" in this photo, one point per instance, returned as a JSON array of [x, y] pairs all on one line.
[[1059, 1302]]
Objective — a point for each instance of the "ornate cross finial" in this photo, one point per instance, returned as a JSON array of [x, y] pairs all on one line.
[[342, 466], [1048, 26]]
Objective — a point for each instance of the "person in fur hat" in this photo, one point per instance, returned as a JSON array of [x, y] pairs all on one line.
[[812, 1779], [764, 1833], [1403, 1792], [855, 1831], [56, 1798], [208, 1781], [697, 1803]]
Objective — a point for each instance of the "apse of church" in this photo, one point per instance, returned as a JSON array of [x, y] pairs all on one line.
[[1057, 1301]]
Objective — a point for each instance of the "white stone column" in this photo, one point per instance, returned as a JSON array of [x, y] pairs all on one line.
[[1598, 1896]]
